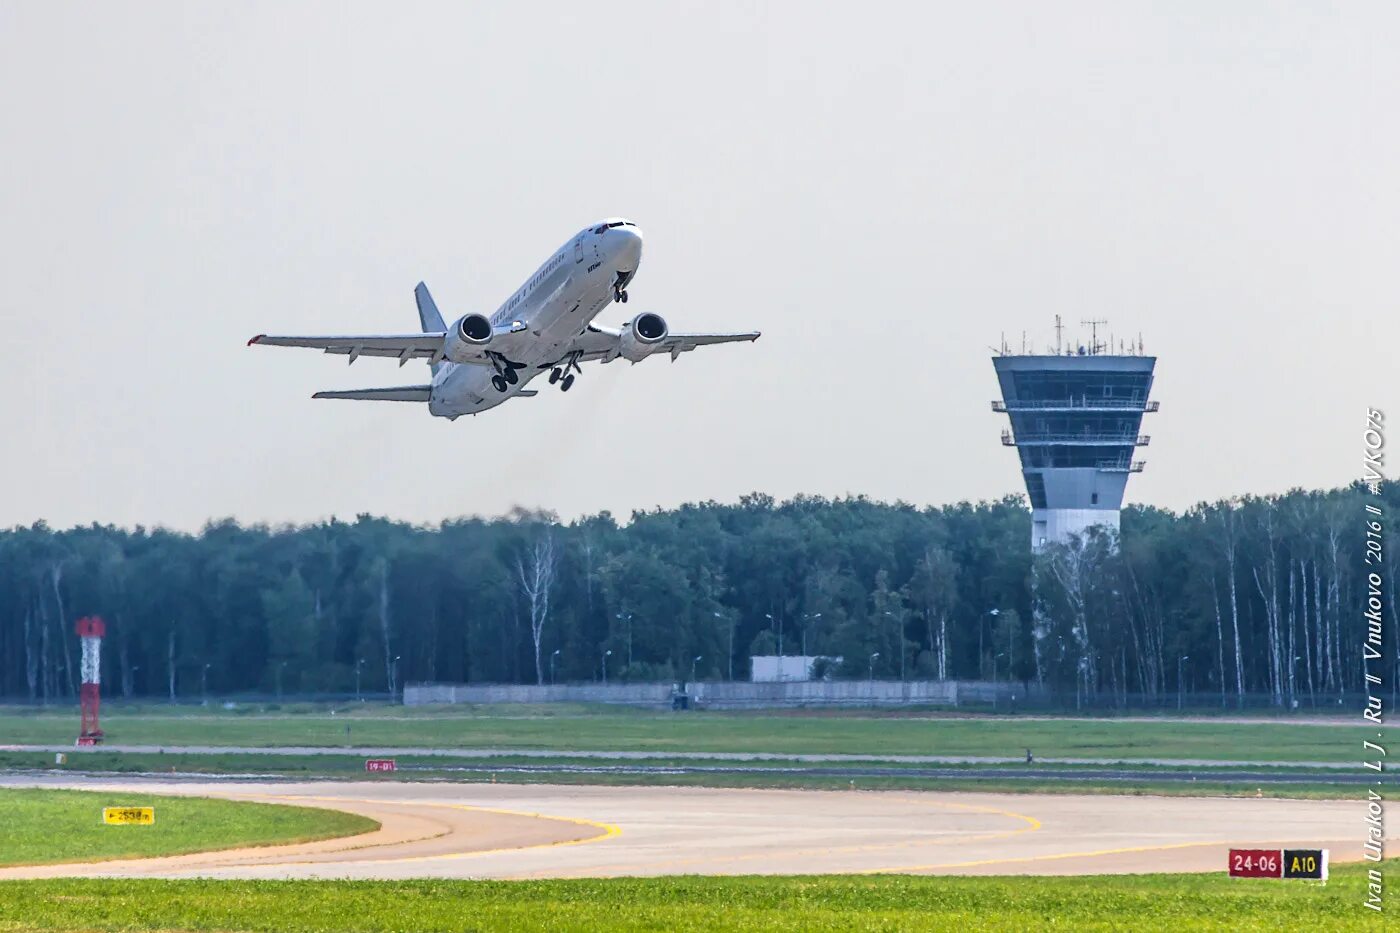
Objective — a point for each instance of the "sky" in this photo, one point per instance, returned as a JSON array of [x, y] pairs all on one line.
[[883, 189]]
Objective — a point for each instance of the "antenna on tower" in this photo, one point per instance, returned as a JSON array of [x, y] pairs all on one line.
[[1093, 325], [1059, 329]]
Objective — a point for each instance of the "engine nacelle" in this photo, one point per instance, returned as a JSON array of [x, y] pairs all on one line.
[[643, 335], [468, 336]]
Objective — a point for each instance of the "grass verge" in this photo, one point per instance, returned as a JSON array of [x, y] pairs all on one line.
[[805, 903], [44, 826], [608, 728], [1062, 779]]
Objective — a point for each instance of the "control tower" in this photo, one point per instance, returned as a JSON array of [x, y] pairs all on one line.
[[1075, 417]]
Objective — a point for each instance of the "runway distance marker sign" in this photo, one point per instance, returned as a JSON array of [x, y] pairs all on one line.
[[381, 764], [129, 816]]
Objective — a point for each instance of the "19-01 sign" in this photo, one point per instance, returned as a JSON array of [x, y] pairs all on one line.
[[381, 764], [1278, 863]]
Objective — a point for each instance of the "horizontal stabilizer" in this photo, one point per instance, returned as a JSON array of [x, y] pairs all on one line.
[[391, 394]]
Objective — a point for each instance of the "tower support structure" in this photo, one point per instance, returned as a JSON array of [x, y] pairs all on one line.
[[90, 630]]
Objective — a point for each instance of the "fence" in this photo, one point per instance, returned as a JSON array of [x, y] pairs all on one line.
[[729, 694]]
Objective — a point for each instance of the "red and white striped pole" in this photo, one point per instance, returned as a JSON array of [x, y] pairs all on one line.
[[90, 631]]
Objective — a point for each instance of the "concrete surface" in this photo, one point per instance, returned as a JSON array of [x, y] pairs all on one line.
[[546, 831]]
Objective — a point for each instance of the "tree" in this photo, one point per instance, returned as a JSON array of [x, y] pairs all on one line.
[[536, 572]]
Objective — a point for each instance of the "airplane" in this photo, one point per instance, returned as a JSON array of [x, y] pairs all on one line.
[[547, 325]]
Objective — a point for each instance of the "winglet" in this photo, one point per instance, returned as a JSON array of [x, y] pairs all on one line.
[[256, 339]]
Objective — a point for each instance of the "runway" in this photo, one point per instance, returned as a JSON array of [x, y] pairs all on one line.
[[451, 830]]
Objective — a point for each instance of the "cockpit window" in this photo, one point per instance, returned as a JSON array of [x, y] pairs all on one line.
[[615, 223]]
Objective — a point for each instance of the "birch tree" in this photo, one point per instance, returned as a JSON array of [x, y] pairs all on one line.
[[536, 569]]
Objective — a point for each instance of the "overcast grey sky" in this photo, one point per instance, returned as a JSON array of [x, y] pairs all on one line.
[[882, 190]]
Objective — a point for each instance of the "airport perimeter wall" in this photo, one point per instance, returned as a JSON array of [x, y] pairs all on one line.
[[728, 694]]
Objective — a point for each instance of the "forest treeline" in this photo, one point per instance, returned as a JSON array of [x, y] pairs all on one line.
[[1258, 596]]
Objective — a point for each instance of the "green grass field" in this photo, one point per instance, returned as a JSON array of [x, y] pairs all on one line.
[[573, 728], [871, 903], [42, 826], [560, 771]]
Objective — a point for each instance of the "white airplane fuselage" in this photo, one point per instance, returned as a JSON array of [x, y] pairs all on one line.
[[555, 305]]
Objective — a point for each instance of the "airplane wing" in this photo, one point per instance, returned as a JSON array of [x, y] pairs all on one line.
[[404, 346], [391, 394], [605, 343]]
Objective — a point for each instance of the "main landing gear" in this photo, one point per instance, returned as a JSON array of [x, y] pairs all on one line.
[[561, 375], [506, 375], [620, 294]]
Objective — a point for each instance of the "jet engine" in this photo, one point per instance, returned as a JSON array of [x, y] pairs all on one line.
[[643, 335], [468, 336]]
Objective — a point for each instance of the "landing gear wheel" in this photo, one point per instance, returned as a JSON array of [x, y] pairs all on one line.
[[624, 296], [555, 375], [511, 376], [568, 381], [499, 382]]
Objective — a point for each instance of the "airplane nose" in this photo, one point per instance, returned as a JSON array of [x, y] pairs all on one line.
[[626, 241]]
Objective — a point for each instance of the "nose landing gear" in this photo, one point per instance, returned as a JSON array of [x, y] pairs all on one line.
[[620, 286]]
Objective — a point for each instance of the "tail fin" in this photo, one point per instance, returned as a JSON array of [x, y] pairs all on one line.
[[428, 314]]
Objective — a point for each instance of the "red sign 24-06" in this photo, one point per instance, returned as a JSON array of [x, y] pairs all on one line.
[[1256, 863]]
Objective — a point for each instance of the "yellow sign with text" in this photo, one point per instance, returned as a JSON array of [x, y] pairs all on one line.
[[129, 816]]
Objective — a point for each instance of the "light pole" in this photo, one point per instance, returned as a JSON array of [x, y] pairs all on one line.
[[1011, 652], [1180, 661], [552, 658], [134, 669], [394, 687], [204, 686], [606, 654], [980, 630], [732, 623], [778, 630], [807, 619], [358, 664], [698, 659], [996, 691], [899, 640], [874, 656], [627, 617]]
